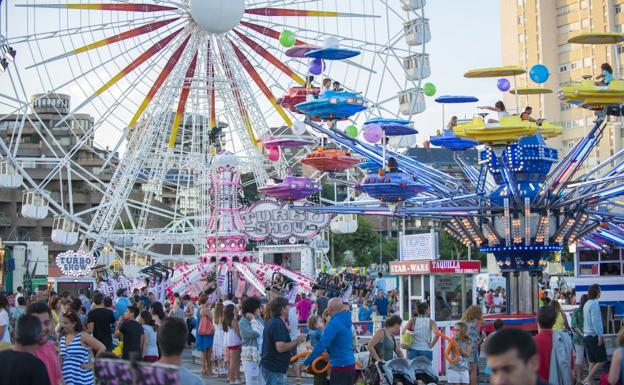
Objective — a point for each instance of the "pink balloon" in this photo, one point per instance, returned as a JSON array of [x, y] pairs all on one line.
[[275, 153], [373, 133]]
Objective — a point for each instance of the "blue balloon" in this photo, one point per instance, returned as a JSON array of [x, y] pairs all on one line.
[[503, 84], [539, 73]]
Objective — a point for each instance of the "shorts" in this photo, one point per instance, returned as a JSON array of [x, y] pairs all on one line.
[[235, 347], [150, 358], [595, 353], [457, 377], [579, 354], [413, 353], [273, 378]]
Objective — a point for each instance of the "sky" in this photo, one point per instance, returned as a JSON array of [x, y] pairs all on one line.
[[465, 35]]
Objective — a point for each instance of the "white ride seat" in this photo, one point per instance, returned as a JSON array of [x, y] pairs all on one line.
[[417, 31], [412, 102], [417, 66], [34, 205]]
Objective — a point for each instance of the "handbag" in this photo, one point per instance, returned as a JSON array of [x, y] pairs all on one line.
[[407, 340], [206, 327]]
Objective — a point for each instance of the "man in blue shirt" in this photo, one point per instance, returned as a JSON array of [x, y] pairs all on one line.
[[380, 283], [277, 347], [122, 302], [365, 312], [338, 342], [381, 302], [592, 331]]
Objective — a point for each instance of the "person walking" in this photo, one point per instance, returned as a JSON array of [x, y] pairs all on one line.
[[46, 351], [424, 331], [577, 339], [554, 349], [276, 344], [233, 343], [382, 345], [100, 321], [205, 335], [172, 341], [592, 331], [131, 332], [473, 316], [149, 347], [74, 351], [251, 330], [19, 365], [338, 342]]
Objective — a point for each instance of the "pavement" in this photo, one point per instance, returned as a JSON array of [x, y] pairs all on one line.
[[187, 362]]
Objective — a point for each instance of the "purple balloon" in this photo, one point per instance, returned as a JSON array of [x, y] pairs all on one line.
[[503, 84], [373, 133], [317, 66]]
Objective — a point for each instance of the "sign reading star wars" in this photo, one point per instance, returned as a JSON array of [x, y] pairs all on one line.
[[270, 220], [75, 263]]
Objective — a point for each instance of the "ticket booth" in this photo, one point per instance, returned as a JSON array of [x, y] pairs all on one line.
[[446, 285]]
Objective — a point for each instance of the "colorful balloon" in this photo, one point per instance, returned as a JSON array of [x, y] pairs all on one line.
[[287, 38], [539, 73], [317, 66], [373, 133], [275, 153], [429, 89], [503, 85], [352, 131], [298, 128]]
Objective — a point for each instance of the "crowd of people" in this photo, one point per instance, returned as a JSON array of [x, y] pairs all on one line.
[[58, 338]]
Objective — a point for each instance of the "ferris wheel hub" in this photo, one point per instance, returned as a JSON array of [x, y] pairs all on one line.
[[217, 16]]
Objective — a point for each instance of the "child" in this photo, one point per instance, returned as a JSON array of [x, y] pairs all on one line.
[[233, 343], [337, 87], [150, 349], [606, 75], [314, 336], [218, 347], [326, 85], [459, 373]]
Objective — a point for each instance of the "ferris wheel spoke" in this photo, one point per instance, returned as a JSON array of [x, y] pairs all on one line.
[[267, 11], [266, 31], [190, 72], [123, 7], [270, 57], [164, 74], [128, 69], [260, 83], [111, 40]]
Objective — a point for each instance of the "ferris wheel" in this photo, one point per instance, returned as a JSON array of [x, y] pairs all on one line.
[[158, 87]]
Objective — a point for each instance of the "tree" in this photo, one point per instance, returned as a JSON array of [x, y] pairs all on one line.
[[450, 248], [361, 243], [389, 250]]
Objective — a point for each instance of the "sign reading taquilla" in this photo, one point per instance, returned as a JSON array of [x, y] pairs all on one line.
[[270, 220]]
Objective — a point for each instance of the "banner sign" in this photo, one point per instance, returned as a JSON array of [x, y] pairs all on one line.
[[271, 220], [120, 372], [419, 247], [75, 263], [434, 267]]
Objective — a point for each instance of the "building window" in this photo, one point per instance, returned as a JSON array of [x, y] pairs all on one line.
[[565, 106], [563, 10], [574, 65], [64, 141], [520, 19], [586, 24], [584, 4], [620, 49], [563, 68], [588, 62], [565, 48], [564, 29], [618, 8]]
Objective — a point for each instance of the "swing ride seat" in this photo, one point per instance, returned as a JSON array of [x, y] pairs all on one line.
[[291, 188], [589, 95], [333, 105], [508, 130], [452, 142], [394, 186], [332, 53], [330, 160], [394, 127], [297, 95]]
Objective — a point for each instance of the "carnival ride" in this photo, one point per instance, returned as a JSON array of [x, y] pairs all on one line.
[[159, 87]]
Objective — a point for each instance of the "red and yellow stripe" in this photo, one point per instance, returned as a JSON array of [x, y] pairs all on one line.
[[261, 84], [125, 35], [267, 11], [186, 89], [266, 31], [164, 73], [113, 7], [270, 58], [211, 89], [153, 50], [238, 98]]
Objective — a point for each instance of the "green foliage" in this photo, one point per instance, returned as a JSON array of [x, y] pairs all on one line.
[[450, 248], [361, 243], [250, 190], [389, 250]]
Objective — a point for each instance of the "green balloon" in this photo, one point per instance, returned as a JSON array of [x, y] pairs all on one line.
[[429, 89], [352, 131], [287, 38]]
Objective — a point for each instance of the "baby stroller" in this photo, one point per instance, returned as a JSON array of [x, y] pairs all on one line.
[[423, 370], [394, 372]]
